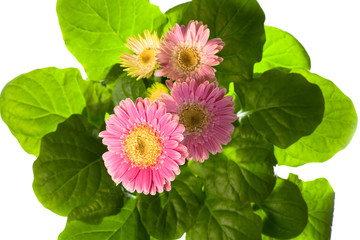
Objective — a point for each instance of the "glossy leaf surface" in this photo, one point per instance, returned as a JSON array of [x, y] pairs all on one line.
[[169, 215], [95, 31], [34, 103], [225, 219], [125, 225], [243, 172], [70, 171], [240, 24], [286, 212], [282, 107], [319, 197], [333, 133], [127, 87], [281, 49]]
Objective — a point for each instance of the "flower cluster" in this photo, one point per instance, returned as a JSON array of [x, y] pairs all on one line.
[[148, 140]]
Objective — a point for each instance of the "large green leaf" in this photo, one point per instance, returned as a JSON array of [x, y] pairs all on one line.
[[126, 225], [282, 107], [286, 212], [240, 24], [227, 220], [95, 31], [332, 135], [170, 214], [281, 49], [176, 14], [128, 87], [70, 172], [34, 103], [319, 197], [243, 172]]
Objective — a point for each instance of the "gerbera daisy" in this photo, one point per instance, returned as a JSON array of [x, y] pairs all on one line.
[[206, 114], [144, 146], [186, 53], [156, 90], [143, 62]]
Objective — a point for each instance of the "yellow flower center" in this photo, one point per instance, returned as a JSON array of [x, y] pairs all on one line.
[[188, 59], [143, 146], [194, 117], [147, 56]]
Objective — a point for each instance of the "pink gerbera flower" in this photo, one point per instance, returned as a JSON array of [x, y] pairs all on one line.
[[144, 146], [186, 53], [205, 112]]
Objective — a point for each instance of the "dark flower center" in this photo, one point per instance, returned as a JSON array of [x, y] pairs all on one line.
[[188, 59]]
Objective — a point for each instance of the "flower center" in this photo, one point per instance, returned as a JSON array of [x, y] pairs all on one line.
[[194, 117], [143, 146], [147, 56], [188, 59]]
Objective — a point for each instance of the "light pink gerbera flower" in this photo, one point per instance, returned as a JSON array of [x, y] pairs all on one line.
[[144, 146], [205, 112], [186, 53]]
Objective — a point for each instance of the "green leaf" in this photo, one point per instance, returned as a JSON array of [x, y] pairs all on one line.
[[243, 172], [240, 24], [176, 15], [124, 226], [34, 103], [332, 135], [286, 212], [170, 214], [112, 76], [128, 87], [95, 31], [282, 107], [105, 202], [319, 197], [225, 219], [98, 101], [281, 49], [235, 97], [70, 172]]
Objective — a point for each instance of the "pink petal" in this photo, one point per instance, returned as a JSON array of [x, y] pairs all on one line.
[[171, 105], [204, 37], [171, 144], [169, 128], [133, 113]]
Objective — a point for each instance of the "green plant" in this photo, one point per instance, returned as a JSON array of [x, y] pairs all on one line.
[[285, 107]]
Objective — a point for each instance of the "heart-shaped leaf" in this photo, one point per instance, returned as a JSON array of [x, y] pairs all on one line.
[[70, 171], [286, 212], [34, 103], [95, 31], [282, 107], [333, 133]]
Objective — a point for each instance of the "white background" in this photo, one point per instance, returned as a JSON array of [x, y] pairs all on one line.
[[30, 38]]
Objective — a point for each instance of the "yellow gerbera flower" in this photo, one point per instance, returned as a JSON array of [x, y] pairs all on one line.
[[142, 63], [156, 90]]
